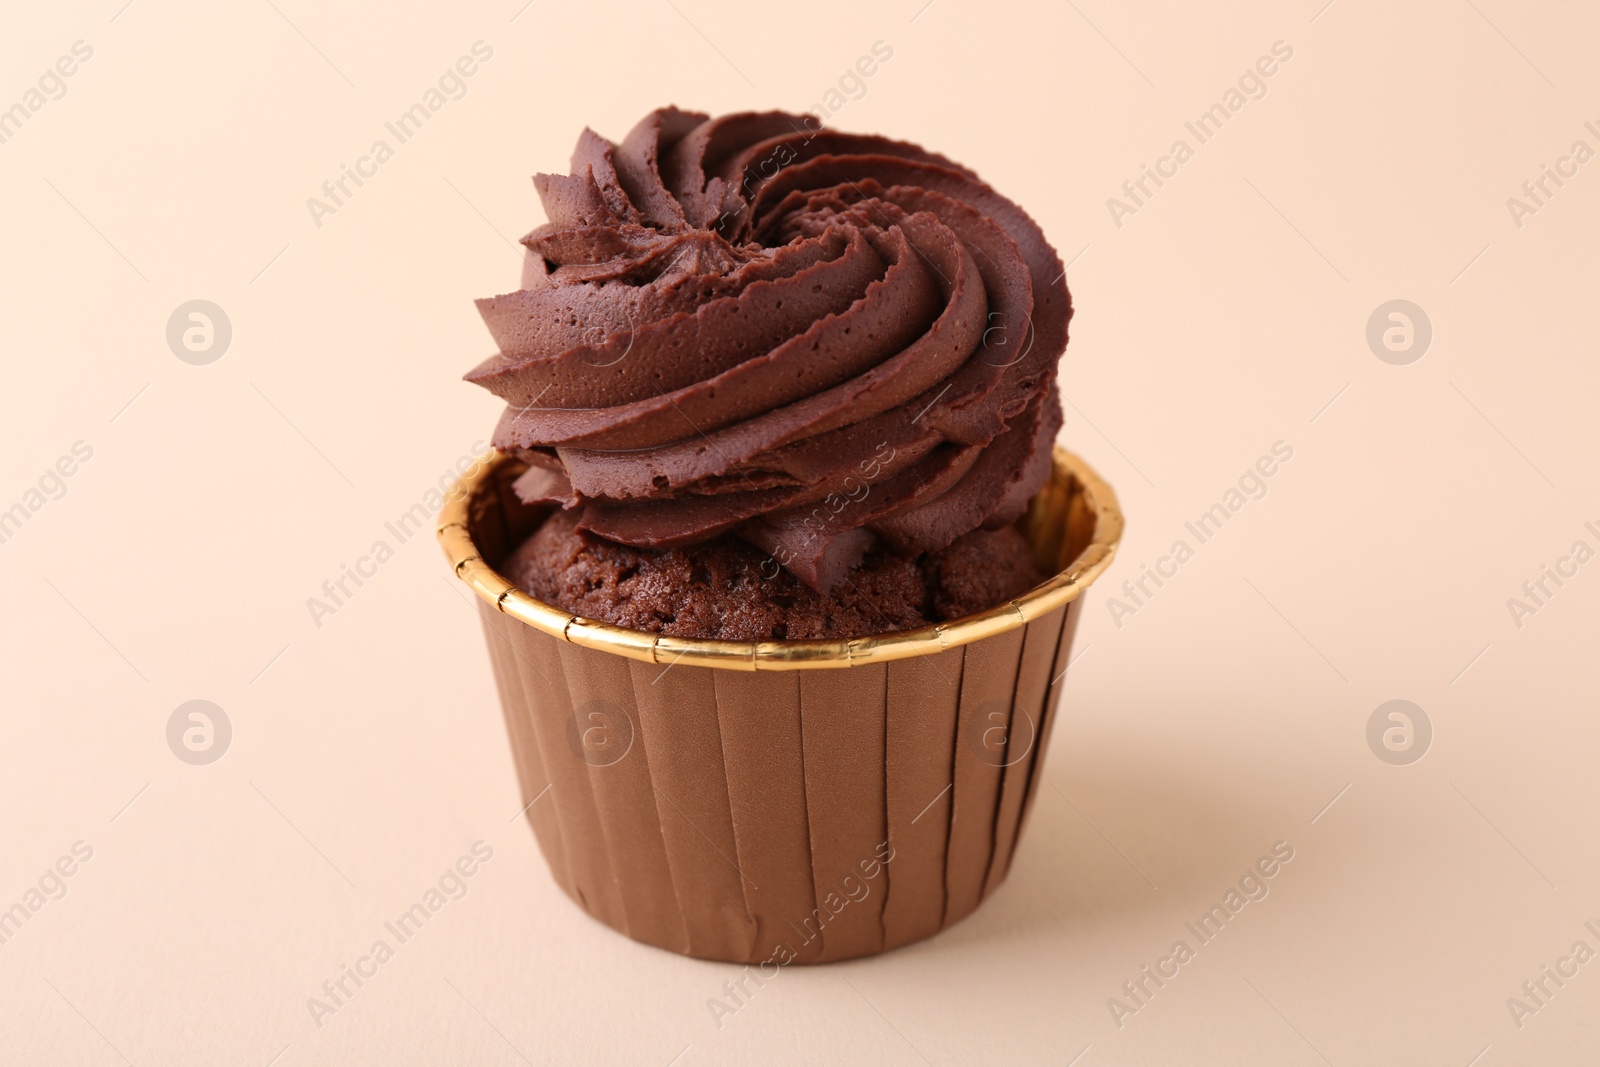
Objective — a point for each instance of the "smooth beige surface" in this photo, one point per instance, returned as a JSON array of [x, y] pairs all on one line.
[[1225, 714]]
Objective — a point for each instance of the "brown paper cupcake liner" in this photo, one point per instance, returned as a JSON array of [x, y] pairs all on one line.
[[785, 801]]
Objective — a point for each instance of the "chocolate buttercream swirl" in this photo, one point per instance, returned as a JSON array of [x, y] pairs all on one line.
[[751, 324]]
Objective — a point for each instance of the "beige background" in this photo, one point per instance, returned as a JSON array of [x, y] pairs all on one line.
[[1227, 314]]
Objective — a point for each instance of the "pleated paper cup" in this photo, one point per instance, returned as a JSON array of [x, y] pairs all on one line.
[[781, 801]]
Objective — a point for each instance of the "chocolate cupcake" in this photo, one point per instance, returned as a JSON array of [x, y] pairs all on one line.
[[778, 398]]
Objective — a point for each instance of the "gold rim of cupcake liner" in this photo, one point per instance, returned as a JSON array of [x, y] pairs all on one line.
[[1075, 516]]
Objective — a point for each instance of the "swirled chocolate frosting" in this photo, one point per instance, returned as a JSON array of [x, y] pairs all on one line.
[[820, 342]]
